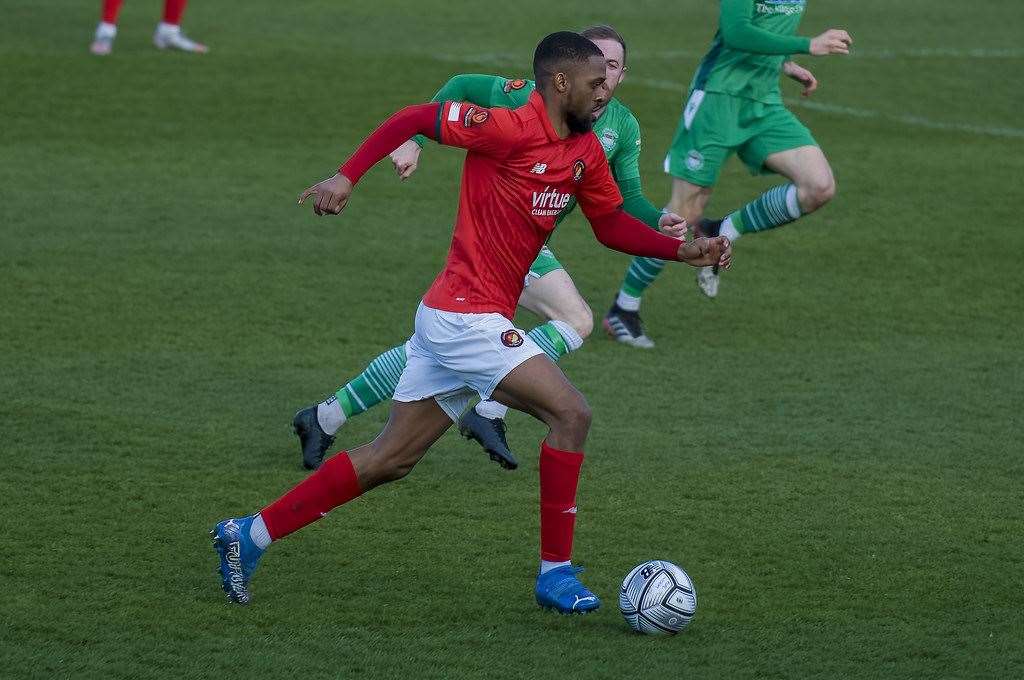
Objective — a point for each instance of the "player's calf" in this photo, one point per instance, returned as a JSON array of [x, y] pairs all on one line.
[[570, 424]]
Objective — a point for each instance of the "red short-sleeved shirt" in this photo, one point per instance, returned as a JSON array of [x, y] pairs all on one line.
[[517, 177]]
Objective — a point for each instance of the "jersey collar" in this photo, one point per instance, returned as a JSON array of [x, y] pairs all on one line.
[[537, 102]]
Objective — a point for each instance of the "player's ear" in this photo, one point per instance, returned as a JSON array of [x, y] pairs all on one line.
[[622, 76], [561, 83]]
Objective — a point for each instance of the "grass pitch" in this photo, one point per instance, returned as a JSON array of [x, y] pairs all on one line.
[[832, 448]]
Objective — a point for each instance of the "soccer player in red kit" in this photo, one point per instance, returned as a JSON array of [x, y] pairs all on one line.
[[168, 33], [522, 168]]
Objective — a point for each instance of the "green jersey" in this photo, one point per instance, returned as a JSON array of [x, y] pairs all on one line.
[[754, 39], [617, 129]]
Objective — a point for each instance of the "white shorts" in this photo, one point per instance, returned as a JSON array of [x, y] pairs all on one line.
[[452, 355]]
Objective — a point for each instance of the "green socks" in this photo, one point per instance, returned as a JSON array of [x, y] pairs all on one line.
[[641, 273], [374, 385], [773, 208]]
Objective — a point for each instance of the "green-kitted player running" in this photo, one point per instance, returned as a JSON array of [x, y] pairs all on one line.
[[735, 106], [549, 290]]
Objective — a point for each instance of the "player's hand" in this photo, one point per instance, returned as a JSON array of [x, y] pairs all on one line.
[[406, 159], [332, 195], [832, 41], [802, 76], [673, 225], [707, 252]]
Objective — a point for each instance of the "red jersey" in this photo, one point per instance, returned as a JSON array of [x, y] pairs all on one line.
[[517, 177]]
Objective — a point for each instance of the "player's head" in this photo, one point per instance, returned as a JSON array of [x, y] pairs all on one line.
[[613, 46], [570, 70]]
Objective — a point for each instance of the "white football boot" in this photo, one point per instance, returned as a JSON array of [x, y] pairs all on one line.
[[707, 281], [170, 37], [103, 41]]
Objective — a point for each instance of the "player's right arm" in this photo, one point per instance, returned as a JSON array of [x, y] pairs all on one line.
[[490, 132], [332, 194], [467, 87], [736, 24]]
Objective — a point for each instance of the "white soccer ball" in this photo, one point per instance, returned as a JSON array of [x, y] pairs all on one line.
[[658, 598]]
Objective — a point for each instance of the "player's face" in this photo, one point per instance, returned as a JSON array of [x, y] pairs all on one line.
[[614, 66], [587, 94]]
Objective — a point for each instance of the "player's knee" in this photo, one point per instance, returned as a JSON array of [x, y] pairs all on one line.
[[574, 416], [817, 191], [582, 321]]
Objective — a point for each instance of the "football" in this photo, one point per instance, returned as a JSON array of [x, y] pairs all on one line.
[[658, 598]]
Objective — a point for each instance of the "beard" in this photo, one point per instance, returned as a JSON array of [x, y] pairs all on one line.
[[579, 124]]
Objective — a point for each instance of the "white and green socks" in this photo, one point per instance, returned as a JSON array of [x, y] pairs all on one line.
[[378, 381], [641, 274], [773, 208], [375, 384]]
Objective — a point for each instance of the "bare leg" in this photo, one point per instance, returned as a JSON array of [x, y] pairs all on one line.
[[808, 169], [554, 296], [412, 428], [689, 200], [538, 387]]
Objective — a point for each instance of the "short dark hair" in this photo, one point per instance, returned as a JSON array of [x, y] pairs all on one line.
[[605, 32], [558, 50]]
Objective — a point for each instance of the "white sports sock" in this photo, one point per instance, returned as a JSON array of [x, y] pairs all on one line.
[[105, 30], [259, 534], [572, 339], [166, 28], [728, 230], [793, 203], [491, 409], [329, 415], [628, 302], [546, 566]]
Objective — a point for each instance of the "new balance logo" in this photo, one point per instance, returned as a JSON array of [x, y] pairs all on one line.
[[539, 169]]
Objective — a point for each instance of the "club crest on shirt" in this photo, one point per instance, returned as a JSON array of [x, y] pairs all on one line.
[[475, 116], [516, 84], [609, 138], [512, 338], [577, 170]]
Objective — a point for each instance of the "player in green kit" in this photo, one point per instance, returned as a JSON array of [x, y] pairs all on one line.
[[549, 291], [734, 106]]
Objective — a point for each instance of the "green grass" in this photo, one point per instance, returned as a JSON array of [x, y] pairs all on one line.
[[832, 448]]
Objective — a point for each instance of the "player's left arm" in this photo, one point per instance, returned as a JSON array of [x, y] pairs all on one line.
[[601, 202], [801, 75]]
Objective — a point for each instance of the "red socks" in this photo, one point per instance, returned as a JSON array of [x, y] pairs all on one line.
[[173, 9], [333, 484], [559, 475], [110, 10]]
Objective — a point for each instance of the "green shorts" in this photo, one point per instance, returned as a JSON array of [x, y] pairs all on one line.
[[545, 263], [714, 125]]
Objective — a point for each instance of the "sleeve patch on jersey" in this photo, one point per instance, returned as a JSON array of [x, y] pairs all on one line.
[[516, 84], [453, 111], [475, 116], [577, 170]]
